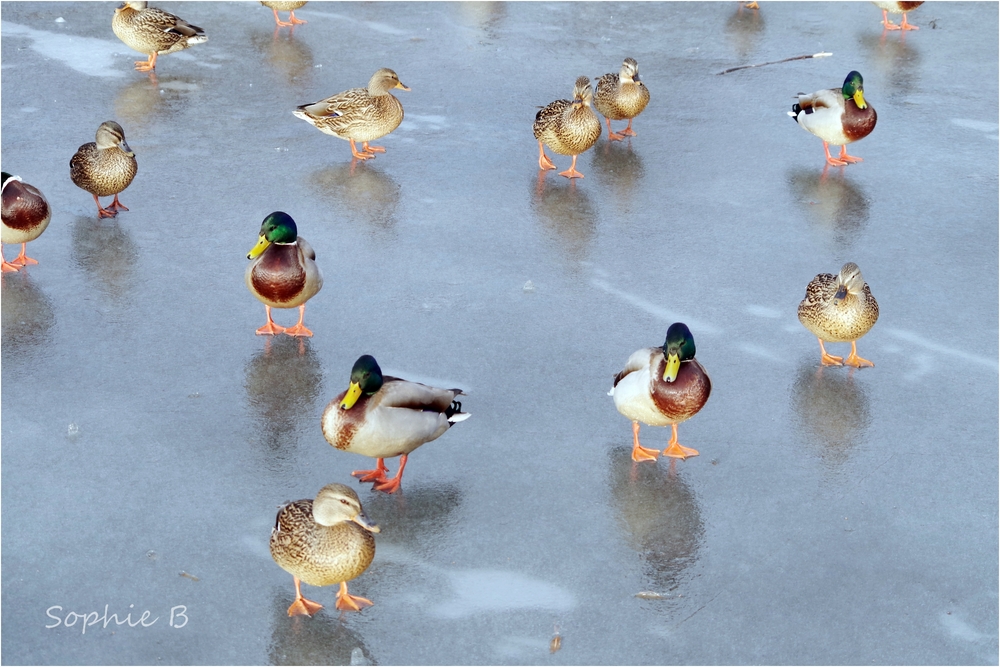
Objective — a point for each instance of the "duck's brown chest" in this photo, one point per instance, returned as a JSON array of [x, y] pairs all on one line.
[[279, 275], [684, 397], [858, 123]]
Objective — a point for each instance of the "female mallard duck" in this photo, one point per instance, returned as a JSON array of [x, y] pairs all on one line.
[[662, 386], [285, 6], [105, 167], [569, 127], [839, 309], [383, 417], [284, 272], [897, 8], [323, 542], [620, 96], [153, 31], [838, 116], [26, 214], [359, 114]]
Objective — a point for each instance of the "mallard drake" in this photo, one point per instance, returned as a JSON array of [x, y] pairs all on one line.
[[839, 309], [323, 542], [279, 6], [105, 167], [383, 417], [620, 96], [284, 272], [838, 116], [359, 114], [26, 214], [896, 8], [662, 386], [568, 127], [153, 31]]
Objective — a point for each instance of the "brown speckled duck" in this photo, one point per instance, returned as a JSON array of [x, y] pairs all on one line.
[[153, 32], [838, 116], [383, 417], [620, 96], [662, 386], [285, 6], [26, 214], [323, 542], [105, 167], [568, 127], [359, 114], [839, 309], [284, 272]]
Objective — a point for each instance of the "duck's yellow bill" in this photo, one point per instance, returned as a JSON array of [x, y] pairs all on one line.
[[353, 394], [672, 368], [399, 84], [859, 99], [261, 246]]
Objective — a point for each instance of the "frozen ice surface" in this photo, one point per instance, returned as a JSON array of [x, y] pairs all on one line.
[[834, 515]]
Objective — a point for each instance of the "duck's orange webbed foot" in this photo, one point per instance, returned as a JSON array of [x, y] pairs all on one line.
[[365, 148], [612, 135], [302, 606], [640, 453], [830, 160], [675, 449], [571, 172], [299, 329], [376, 475], [360, 156], [146, 65], [8, 267], [391, 485], [117, 205], [543, 160], [279, 21], [847, 158], [826, 358], [854, 360], [886, 23], [22, 259], [907, 26], [348, 602], [628, 131], [269, 329], [295, 21], [102, 212]]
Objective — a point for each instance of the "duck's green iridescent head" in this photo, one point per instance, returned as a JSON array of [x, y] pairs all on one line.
[[678, 347], [854, 88], [277, 228], [366, 377]]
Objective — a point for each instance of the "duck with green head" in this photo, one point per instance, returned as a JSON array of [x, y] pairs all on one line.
[[26, 214], [838, 116], [384, 416], [662, 386], [323, 542], [283, 273]]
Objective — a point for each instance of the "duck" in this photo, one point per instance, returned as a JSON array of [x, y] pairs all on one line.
[[359, 114], [383, 417], [568, 127], [838, 116], [26, 214], [105, 167], [284, 6], [662, 386], [283, 273], [324, 541], [620, 96], [153, 32], [839, 309], [897, 8]]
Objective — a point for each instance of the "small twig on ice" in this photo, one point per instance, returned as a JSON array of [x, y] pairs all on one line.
[[775, 62]]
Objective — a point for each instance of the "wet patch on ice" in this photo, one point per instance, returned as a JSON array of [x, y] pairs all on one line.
[[476, 591], [764, 311], [383, 28], [87, 55], [979, 125]]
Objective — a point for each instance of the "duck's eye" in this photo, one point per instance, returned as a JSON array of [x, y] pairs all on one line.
[[344, 501]]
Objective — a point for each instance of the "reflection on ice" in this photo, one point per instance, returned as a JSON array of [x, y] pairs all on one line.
[[832, 201], [831, 409], [566, 212], [26, 317], [359, 192], [321, 640], [105, 251]]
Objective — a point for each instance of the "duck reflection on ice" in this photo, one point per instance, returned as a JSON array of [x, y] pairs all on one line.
[[660, 515], [105, 251], [321, 640], [418, 520], [26, 318], [831, 410], [832, 202], [360, 193], [283, 382], [566, 212], [289, 58]]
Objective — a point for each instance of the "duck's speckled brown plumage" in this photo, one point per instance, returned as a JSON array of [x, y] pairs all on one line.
[[153, 31], [319, 555], [103, 168], [285, 275], [26, 212], [569, 127], [839, 320], [621, 96], [358, 114]]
